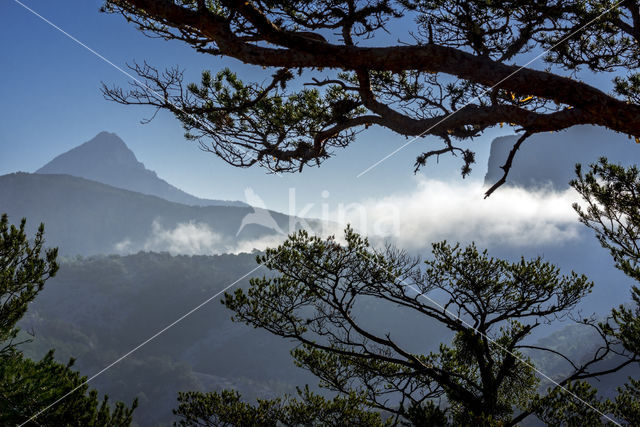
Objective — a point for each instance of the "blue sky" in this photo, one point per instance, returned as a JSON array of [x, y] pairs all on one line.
[[51, 103]]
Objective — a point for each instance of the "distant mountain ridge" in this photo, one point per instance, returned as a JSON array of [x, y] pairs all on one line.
[[548, 159], [87, 217], [107, 159]]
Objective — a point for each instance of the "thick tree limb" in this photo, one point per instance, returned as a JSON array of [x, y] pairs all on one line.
[[454, 86], [298, 51]]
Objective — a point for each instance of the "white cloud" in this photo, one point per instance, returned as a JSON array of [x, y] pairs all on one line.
[[432, 211], [194, 238], [123, 246], [437, 210], [260, 244], [187, 238]]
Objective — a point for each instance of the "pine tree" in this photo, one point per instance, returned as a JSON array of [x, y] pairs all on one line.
[[28, 387]]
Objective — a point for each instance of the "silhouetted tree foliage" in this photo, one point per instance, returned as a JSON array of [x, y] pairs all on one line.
[[490, 305], [454, 75], [28, 386], [227, 408], [22, 275], [611, 195]]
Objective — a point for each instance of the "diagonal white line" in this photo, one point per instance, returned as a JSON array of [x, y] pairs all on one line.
[[193, 310], [477, 98], [87, 47], [158, 96], [501, 347], [142, 344], [196, 308]]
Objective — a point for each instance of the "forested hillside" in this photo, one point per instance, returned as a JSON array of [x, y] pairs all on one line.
[[98, 308]]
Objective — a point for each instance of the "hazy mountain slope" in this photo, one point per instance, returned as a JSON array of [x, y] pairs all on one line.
[[97, 309], [550, 158], [107, 159], [86, 217]]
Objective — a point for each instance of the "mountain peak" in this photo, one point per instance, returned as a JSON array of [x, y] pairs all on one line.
[[104, 136], [106, 139], [96, 159], [106, 158]]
